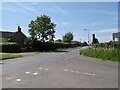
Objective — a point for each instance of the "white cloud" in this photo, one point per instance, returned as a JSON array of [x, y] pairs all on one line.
[[27, 8], [102, 12], [56, 9], [106, 30], [96, 11], [18, 6], [61, 10]]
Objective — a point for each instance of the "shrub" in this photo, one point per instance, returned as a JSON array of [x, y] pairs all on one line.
[[9, 47], [102, 53], [47, 46]]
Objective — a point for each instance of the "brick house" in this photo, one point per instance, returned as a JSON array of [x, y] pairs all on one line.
[[18, 37]]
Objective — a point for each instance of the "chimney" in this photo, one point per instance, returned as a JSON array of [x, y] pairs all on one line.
[[19, 29]]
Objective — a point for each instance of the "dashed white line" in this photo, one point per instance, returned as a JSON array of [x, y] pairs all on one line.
[[85, 73], [35, 73], [27, 72], [18, 79], [40, 68], [9, 78], [70, 57], [46, 69], [66, 70]]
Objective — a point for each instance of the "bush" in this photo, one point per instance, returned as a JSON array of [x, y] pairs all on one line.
[[47, 46], [9, 47], [102, 53]]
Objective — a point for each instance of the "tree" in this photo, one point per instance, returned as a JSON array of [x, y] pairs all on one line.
[[68, 37], [95, 40], [42, 28], [85, 44]]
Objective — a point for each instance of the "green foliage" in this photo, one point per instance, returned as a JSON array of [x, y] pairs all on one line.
[[84, 44], [102, 53], [68, 37], [48, 46], [9, 47], [42, 28], [9, 56], [108, 45]]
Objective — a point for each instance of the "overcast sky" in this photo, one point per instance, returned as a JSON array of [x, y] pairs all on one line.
[[100, 18]]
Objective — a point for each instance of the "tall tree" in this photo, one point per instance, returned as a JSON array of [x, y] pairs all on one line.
[[42, 28], [68, 37], [95, 40]]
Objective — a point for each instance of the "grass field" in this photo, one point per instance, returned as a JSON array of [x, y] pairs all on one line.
[[102, 53], [9, 56]]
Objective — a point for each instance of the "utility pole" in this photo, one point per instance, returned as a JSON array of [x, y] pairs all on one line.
[[88, 36]]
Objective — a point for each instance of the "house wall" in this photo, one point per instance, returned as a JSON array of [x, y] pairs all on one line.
[[2, 39], [19, 38]]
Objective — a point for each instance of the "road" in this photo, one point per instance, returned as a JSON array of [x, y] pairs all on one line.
[[59, 70]]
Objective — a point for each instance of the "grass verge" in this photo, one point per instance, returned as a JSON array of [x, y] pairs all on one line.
[[9, 56], [101, 53]]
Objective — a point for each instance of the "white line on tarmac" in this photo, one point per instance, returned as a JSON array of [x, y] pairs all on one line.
[[66, 70], [46, 69], [91, 74], [70, 57], [18, 79], [9, 78], [40, 68], [35, 74], [27, 72]]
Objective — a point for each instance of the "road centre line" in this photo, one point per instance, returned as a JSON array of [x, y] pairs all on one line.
[[91, 74], [70, 57]]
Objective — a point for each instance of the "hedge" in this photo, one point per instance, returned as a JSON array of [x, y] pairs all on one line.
[[47, 46], [9, 47]]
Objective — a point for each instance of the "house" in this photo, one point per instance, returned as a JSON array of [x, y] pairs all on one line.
[[18, 37]]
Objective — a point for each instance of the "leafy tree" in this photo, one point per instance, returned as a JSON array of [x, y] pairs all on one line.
[[68, 37], [85, 44], [42, 28]]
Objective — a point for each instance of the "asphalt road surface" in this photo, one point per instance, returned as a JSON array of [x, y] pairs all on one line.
[[59, 70]]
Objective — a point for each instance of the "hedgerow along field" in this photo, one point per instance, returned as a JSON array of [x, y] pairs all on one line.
[[102, 52]]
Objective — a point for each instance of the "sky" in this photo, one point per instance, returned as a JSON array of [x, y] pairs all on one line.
[[99, 18]]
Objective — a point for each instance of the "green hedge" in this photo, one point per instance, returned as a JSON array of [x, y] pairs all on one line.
[[9, 47], [47, 46], [107, 45], [102, 53]]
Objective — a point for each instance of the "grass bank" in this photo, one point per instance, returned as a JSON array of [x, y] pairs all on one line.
[[102, 53], [9, 56]]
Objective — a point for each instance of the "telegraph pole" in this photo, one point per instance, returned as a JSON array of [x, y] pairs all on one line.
[[88, 36]]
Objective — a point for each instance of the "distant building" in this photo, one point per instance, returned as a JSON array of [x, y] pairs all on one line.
[[116, 36], [18, 37]]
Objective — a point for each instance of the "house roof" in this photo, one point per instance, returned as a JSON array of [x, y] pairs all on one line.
[[6, 34]]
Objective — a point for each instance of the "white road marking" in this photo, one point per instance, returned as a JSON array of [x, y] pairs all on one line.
[[70, 57], [35, 74], [66, 70], [66, 59], [46, 69], [27, 72], [77, 71], [59, 61], [72, 71], [40, 68], [9, 78], [18, 80], [91, 74]]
